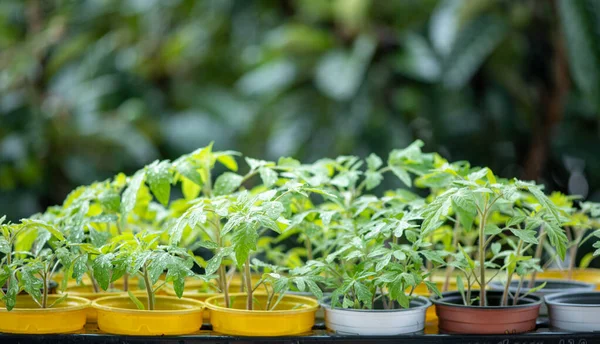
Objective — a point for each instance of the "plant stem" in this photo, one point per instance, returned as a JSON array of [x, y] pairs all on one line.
[[482, 291], [125, 282], [223, 284], [45, 291], [149, 290], [309, 253], [248, 278], [573, 253], [450, 269], [538, 255], [509, 278], [94, 283], [516, 299]]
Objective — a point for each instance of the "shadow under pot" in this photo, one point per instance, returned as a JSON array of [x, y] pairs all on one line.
[[575, 312], [378, 321], [456, 317], [552, 286]]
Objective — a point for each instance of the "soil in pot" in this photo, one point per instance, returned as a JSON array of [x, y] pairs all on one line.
[[576, 312], [293, 315], [378, 321], [455, 317], [171, 316], [27, 317], [552, 286]]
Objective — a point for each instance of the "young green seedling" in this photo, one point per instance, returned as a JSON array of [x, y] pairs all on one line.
[[475, 198]]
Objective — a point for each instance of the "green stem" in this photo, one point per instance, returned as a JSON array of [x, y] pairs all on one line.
[[45, 291], [248, 280], [450, 269], [516, 299], [309, 253], [509, 278], [538, 255], [482, 282], [223, 284], [149, 290]]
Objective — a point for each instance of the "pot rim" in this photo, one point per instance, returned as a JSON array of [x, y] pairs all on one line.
[[425, 303], [83, 304], [96, 304], [533, 301], [554, 299], [312, 304], [574, 284]]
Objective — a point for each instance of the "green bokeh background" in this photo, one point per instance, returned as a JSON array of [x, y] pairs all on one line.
[[89, 88]]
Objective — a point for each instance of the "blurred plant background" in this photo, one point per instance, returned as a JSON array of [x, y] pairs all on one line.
[[89, 88]]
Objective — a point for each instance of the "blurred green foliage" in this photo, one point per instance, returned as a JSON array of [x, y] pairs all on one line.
[[92, 87]]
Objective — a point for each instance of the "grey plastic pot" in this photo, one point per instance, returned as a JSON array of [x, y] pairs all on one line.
[[578, 312], [377, 321], [553, 286]]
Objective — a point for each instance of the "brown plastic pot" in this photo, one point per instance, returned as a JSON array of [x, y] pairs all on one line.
[[455, 317]]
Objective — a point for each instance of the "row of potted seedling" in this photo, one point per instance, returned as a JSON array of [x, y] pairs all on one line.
[[133, 256]]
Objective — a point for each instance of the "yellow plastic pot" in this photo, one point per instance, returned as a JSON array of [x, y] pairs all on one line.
[[27, 317], [195, 294], [293, 315], [588, 275], [171, 316], [87, 292]]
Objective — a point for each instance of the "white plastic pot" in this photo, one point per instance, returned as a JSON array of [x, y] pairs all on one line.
[[377, 322], [553, 286], [576, 312]]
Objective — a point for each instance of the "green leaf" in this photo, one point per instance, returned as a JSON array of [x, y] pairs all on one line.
[[515, 220], [268, 176], [227, 183], [129, 198], [273, 209], [496, 248], [383, 262], [363, 294], [4, 245], [59, 300], [432, 256], [213, 264], [432, 287], [402, 175], [314, 289], [159, 178], [102, 267], [228, 161], [244, 241], [30, 283], [373, 179], [528, 236], [10, 298], [80, 268], [190, 189], [465, 207], [374, 162], [461, 288], [491, 229], [187, 169], [136, 301]]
